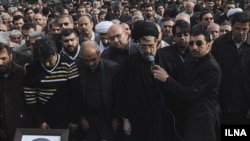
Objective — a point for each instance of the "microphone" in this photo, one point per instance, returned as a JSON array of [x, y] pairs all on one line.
[[151, 59]]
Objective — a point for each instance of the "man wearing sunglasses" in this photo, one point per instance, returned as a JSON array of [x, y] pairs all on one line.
[[198, 88], [205, 19], [232, 52]]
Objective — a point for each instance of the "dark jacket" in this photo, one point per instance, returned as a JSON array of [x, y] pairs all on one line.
[[109, 69], [140, 101], [172, 61], [234, 95], [199, 88], [13, 112], [120, 56]]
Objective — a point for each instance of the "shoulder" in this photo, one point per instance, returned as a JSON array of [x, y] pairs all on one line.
[[109, 63]]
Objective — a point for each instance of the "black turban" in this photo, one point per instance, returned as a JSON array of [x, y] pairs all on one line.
[[143, 28]]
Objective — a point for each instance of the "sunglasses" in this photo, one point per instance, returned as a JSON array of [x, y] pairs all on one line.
[[198, 43], [206, 19]]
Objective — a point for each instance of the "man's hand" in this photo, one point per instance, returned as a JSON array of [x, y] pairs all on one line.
[[127, 126], [44, 125], [85, 124], [159, 73], [115, 124], [73, 127], [248, 113]]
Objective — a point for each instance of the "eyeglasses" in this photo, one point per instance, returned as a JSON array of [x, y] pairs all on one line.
[[112, 38], [198, 43], [206, 19], [182, 34]]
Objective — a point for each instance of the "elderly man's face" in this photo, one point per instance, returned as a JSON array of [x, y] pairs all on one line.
[[16, 39]]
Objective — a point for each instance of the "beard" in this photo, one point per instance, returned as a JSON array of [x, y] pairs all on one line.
[[5, 69]]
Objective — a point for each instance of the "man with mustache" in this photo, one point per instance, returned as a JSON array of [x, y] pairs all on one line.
[[198, 88]]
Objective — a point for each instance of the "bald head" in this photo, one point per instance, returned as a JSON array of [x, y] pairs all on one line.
[[118, 36], [115, 27], [90, 54], [214, 30], [89, 46]]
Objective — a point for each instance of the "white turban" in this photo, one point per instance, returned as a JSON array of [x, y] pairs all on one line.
[[102, 27], [233, 11]]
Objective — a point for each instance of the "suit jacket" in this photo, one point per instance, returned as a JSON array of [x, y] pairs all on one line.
[[199, 88], [109, 70]]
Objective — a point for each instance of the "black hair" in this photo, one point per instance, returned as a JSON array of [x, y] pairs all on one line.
[[198, 8], [241, 17], [18, 17], [205, 33], [44, 48], [183, 25], [4, 46], [204, 12], [68, 31], [28, 9], [27, 26]]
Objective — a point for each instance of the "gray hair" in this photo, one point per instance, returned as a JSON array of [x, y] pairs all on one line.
[[4, 38], [65, 16], [147, 38], [183, 16], [95, 46], [15, 32], [95, 10], [5, 14]]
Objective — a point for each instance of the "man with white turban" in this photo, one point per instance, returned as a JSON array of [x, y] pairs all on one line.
[[102, 29]]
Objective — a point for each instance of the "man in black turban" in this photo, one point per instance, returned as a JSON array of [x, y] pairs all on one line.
[[140, 104], [142, 28]]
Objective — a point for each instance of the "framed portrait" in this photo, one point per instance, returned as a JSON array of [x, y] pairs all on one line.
[[30, 134]]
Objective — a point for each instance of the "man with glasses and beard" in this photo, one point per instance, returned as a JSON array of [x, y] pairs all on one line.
[[206, 18], [120, 46]]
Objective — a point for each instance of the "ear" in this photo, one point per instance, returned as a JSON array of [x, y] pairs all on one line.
[[209, 45], [11, 56]]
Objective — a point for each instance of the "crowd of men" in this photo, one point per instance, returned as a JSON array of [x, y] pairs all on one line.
[[146, 70]]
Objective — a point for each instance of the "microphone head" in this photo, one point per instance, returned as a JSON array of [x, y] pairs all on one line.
[[150, 58]]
